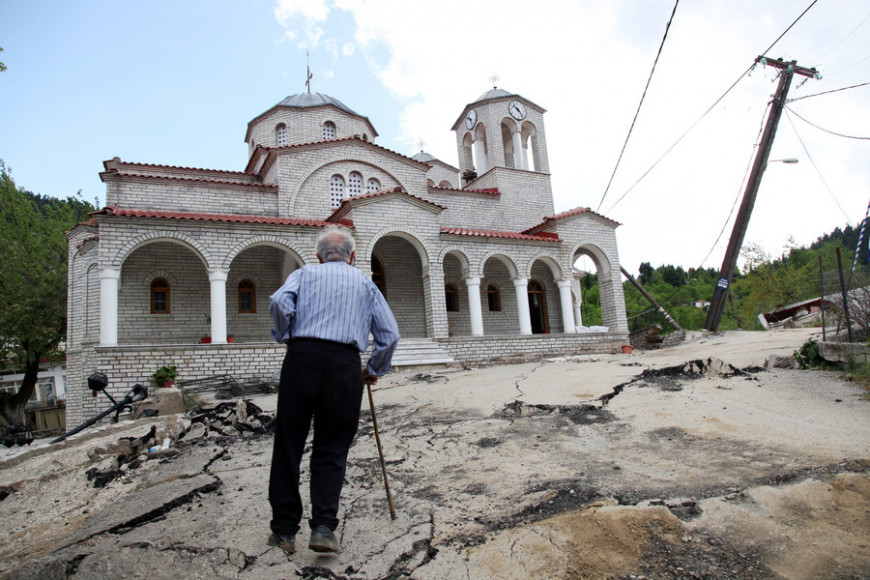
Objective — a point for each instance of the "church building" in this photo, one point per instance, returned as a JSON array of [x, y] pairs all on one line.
[[474, 261]]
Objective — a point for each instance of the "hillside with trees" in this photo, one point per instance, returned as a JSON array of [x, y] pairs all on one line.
[[763, 284], [33, 284]]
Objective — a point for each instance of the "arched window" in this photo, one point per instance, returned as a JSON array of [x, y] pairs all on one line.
[[451, 297], [247, 297], [354, 184], [446, 184], [329, 130], [336, 190], [378, 275], [373, 185], [159, 296], [281, 135], [493, 298]]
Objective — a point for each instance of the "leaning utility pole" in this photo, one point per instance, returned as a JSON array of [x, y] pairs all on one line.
[[788, 70]]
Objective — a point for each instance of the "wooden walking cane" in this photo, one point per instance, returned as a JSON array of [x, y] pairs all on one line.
[[381, 452]]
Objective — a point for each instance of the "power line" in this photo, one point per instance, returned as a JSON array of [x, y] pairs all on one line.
[[710, 109], [640, 104], [788, 113], [827, 92], [826, 130]]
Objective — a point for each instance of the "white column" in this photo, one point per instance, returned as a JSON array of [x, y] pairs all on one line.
[[578, 312], [218, 279], [521, 285], [567, 307], [480, 156], [109, 282], [526, 164], [473, 285], [519, 158]]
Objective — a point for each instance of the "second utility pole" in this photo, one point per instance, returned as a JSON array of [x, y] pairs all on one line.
[[788, 70]]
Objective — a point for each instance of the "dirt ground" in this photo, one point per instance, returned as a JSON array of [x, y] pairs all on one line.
[[702, 461]]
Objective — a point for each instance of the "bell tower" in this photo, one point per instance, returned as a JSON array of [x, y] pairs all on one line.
[[501, 130]]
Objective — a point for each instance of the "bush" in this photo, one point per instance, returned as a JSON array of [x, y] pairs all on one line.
[[809, 356]]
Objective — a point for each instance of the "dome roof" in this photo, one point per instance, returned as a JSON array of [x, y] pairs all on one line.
[[307, 100], [424, 157], [494, 93]]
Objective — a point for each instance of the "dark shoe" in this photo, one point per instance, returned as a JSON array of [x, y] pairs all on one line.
[[283, 541], [323, 540]]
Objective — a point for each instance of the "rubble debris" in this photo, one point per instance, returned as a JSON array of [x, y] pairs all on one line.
[[578, 414], [226, 387]]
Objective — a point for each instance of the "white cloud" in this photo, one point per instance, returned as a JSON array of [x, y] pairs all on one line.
[[587, 62]]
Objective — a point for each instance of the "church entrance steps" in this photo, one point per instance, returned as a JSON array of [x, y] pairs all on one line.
[[416, 352]]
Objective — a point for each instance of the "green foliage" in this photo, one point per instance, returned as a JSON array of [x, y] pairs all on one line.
[[766, 284], [164, 374], [33, 279], [809, 357]]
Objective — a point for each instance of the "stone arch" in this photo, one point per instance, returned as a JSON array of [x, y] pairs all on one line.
[[460, 255], [406, 234], [599, 256], [331, 157], [301, 256], [195, 246], [509, 263], [551, 263]]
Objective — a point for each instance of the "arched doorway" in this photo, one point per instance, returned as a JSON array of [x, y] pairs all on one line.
[[400, 271], [538, 307]]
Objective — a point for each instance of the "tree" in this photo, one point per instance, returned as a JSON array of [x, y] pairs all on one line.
[[2, 66], [33, 284]]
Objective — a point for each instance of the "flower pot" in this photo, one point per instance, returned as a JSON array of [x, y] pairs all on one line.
[[231, 339], [168, 384], [205, 340], [627, 348]]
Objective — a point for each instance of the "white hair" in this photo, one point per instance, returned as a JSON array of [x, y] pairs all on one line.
[[335, 244]]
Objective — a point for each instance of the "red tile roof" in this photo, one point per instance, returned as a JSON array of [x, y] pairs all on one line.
[[541, 237], [159, 166], [343, 208], [488, 191], [208, 217], [342, 140], [548, 221], [188, 179]]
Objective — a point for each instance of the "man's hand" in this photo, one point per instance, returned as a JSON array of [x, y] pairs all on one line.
[[369, 379]]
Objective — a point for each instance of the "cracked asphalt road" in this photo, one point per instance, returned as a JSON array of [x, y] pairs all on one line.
[[663, 464]]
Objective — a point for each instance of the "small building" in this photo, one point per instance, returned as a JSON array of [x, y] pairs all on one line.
[[473, 259]]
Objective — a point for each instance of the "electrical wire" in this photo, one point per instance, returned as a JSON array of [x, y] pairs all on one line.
[[710, 109], [788, 114], [639, 105], [826, 92], [847, 37], [792, 111]]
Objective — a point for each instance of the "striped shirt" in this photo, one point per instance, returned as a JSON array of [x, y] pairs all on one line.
[[335, 301]]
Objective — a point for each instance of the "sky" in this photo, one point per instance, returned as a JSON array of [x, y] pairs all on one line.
[[176, 82]]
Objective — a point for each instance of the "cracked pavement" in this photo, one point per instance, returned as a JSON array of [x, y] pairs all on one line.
[[661, 464]]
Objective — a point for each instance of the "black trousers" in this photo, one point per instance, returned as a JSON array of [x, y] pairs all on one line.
[[320, 380]]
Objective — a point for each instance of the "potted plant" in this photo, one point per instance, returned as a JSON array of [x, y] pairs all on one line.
[[206, 338], [165, 376], [230, 338]]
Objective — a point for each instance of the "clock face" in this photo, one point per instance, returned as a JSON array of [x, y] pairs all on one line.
[[470, 119], [517, 110]]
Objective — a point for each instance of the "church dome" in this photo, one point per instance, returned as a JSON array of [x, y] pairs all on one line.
[[308, 100], [494, 93], [424, 157]]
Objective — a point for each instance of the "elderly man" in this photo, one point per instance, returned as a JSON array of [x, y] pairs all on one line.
[[324, 313]]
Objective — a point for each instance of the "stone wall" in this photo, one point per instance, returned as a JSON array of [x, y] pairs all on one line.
[[517, 349], [128, 365]]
